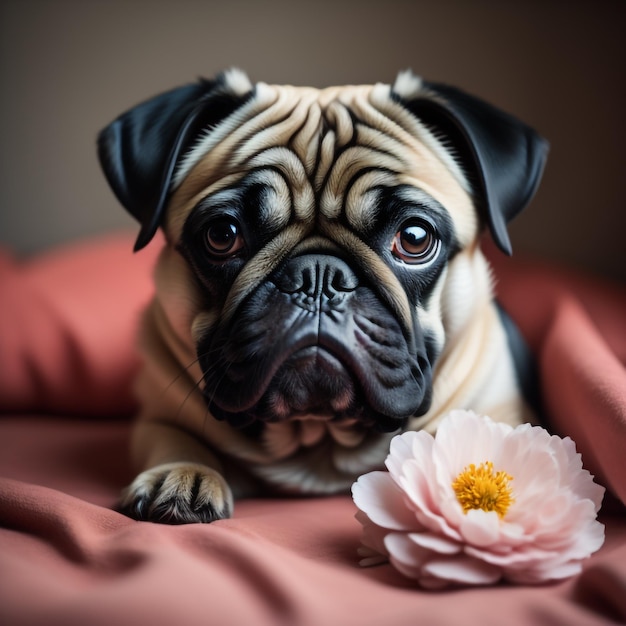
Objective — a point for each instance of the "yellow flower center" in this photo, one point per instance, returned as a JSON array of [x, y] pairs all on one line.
[[479, 487]]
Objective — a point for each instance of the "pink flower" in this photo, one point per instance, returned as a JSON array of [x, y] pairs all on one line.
[[480, 502]]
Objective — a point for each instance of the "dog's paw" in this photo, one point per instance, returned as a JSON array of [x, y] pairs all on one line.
[[178, 493]]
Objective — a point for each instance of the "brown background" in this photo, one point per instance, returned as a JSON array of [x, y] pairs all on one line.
[[68, 67]]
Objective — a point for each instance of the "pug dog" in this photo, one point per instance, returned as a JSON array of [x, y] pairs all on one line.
[[321, 287]]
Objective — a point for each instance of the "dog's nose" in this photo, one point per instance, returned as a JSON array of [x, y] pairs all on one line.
[[316, 276]]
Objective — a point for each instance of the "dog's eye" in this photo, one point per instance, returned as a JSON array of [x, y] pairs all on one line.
[[223, 238], [415, 243]]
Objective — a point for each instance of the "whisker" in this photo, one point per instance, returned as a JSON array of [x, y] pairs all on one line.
[[183, 371], [196, 383], [211, 396], [195, 387]]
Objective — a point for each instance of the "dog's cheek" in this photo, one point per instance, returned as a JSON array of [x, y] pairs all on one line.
[[468, 283], [177, 293], [430, 319]]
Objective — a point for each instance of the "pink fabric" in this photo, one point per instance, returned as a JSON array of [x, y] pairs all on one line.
[[66, 356], [67, 327]]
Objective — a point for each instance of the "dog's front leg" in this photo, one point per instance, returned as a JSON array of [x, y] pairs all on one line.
[[182, 484]]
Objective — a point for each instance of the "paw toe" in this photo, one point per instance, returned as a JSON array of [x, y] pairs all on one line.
[[178, 494]]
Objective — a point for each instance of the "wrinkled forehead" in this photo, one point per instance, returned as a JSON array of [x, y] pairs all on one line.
[[325, 151]]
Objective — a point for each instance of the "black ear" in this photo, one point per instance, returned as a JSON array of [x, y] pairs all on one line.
[[503, 157], [139, 151]]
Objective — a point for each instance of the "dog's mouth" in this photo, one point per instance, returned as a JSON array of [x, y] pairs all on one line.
[[312, 381], [313, 384], [334, 353]]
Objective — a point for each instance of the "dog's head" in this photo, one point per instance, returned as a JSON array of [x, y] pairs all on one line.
[[318, 228]]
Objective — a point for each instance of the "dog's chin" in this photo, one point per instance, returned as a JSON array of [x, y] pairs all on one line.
[[314, 384]]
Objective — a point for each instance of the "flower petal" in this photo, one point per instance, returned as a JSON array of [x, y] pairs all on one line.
[[526, 557], [450, 507], [436, 543], [412, 514], [586, 538], [432, 583], [409, 445], [405, 555], [512, 535], [378, 496], [455, 441], [532, 576], [372, 537], [464, 437], [370, 557], [463, 569], [416, 486], [579, 480], [480, 528]]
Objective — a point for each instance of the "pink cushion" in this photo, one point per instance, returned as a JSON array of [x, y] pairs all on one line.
[[67, 327]]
